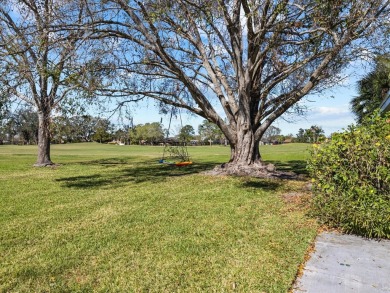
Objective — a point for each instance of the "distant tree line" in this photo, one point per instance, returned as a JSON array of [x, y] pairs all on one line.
[[314, 134], [21, 127], [148, 133]]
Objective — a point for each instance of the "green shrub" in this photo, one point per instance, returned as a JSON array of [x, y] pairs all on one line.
[[351, 179]]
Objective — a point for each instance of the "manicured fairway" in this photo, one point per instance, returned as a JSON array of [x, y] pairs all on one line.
[[110, 218]]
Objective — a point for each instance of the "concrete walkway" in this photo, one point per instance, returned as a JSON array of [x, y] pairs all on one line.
[[346, 263]]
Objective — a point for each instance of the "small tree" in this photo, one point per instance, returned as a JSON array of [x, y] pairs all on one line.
[[103, 131], [46, 57], [311, 135], [301, 135], [122, 135], [83, 127], [315, 132], [61, 130], [150, 132], [79, 128], [27, 125], [8, 128], [209, 131], [132, 132], [154, 132], [372, 90], [271, 133], [187, 133]]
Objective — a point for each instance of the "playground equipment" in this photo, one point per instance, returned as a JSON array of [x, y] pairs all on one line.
[[175, 152]]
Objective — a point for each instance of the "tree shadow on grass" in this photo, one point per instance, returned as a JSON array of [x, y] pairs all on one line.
[[84, 182], [139, 172], [296, 166], [120, 171], [107, 162], [159, 172], [264, 184]]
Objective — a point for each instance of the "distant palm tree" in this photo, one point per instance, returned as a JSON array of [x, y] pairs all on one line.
[[372, 89]]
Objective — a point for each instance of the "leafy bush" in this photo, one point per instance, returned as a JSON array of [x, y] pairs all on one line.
[[351, 179]]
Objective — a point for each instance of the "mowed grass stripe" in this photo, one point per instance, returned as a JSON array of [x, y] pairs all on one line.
[[106, 220]]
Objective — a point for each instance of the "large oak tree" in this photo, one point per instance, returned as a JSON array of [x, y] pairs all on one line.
[[240, 64]]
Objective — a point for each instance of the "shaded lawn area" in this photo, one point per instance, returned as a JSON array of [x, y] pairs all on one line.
[[110, 218]]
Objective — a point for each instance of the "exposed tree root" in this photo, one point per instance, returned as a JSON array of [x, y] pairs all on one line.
[[257, 170], [51, 165]]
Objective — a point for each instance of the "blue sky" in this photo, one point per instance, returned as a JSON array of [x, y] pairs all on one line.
[[331, 113], [330, 110]]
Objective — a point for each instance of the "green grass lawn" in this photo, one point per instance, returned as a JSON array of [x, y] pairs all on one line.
[[110, 218]]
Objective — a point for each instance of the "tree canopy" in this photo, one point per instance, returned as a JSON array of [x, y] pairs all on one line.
[[271, 133], [240, 64], [372, 89], [47, 57], [187, 132], [150, 133], [312, 135], [80, 128], [209, 131]]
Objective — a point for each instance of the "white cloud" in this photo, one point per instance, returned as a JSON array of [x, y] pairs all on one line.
[[331, 110], [330, 118]]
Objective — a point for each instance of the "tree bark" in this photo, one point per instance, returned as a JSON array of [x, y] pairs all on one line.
[[245, 151], [245, 158], [43, 158]]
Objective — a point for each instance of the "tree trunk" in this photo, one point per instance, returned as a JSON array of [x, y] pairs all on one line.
[[245, 152], [245, 158], [43, 140]]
